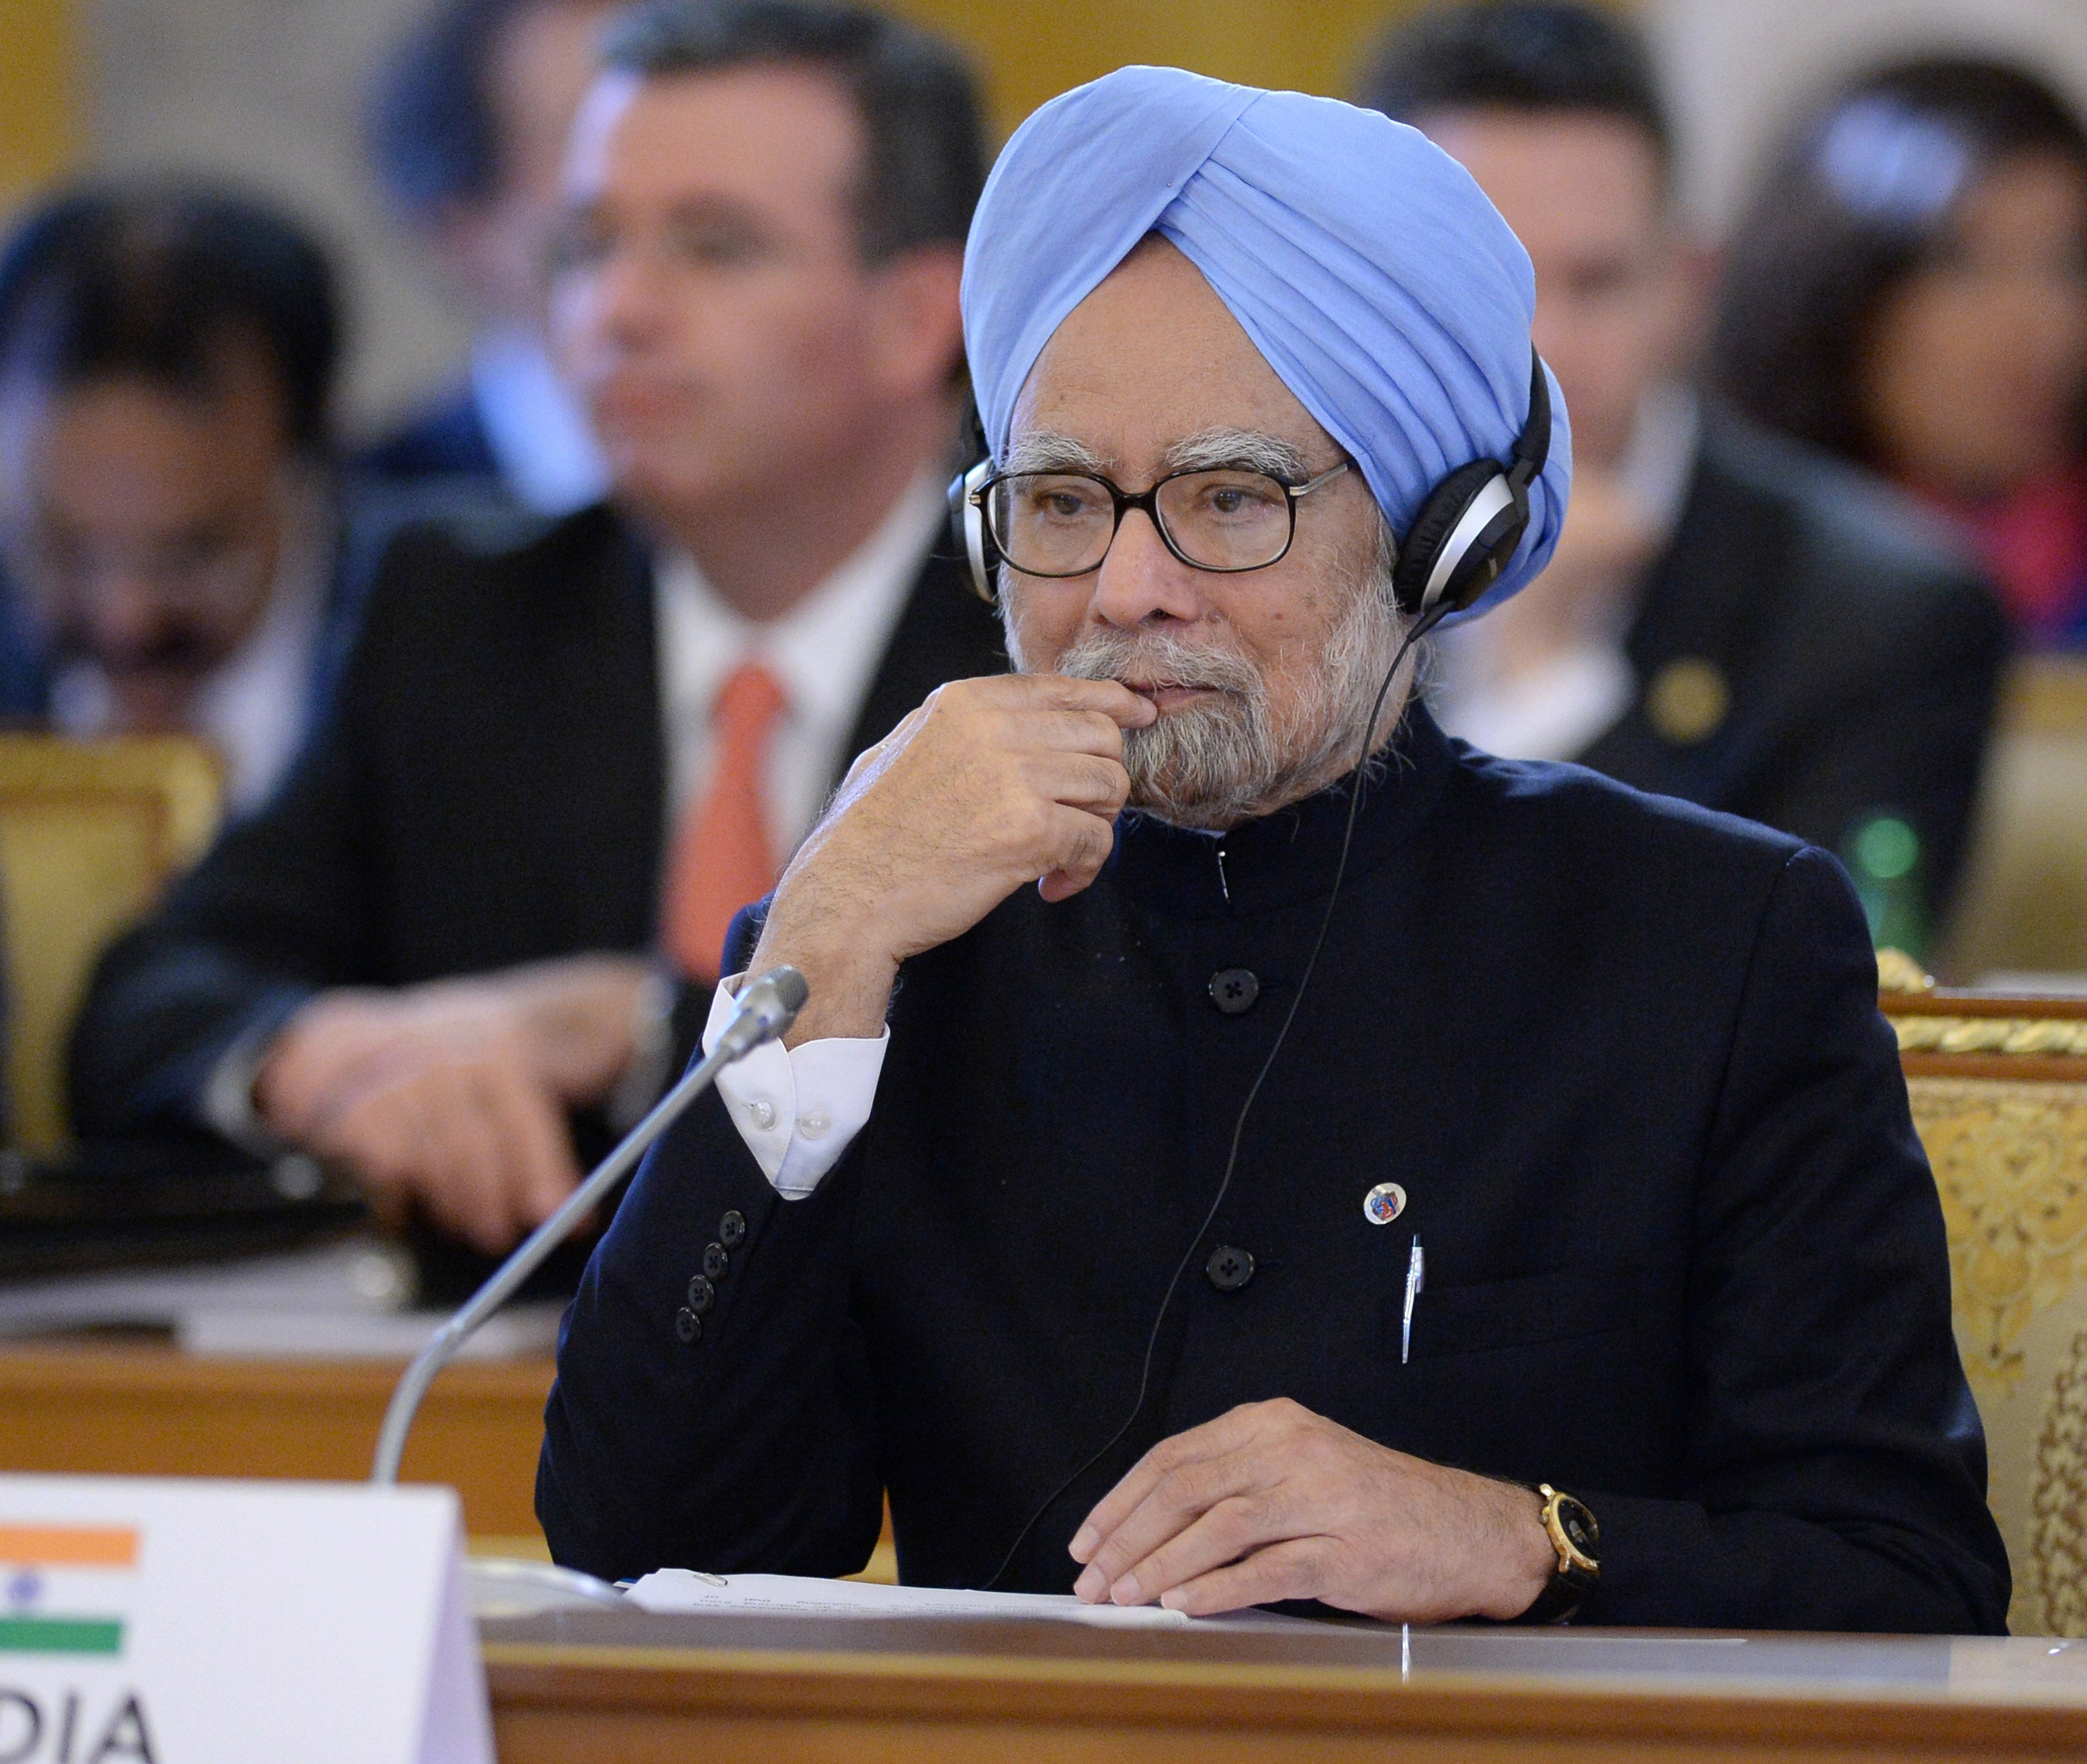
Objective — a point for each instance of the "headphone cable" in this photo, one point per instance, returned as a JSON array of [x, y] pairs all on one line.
[[1359, 778]]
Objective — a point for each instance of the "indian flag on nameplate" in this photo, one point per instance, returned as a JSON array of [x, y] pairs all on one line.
[[48, 1566]]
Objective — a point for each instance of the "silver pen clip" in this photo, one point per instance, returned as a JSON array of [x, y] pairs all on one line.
[[1416, 1277]]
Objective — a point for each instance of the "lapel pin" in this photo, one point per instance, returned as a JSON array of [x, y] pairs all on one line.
[[1384, 1204]]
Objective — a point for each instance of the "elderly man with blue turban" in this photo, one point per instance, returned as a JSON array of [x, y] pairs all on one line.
[[1341, 1105]]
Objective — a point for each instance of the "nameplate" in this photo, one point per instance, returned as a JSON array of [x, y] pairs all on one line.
[[200, 1622]]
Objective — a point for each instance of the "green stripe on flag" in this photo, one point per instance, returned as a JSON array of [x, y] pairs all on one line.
[[61, 1635]]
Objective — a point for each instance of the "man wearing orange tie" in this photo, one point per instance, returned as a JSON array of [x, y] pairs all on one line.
[[491, 900]]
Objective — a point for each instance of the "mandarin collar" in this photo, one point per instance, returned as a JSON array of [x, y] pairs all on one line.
[[1289, 857]]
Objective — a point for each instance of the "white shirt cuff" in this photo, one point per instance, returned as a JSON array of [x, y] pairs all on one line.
[[798, 1108]]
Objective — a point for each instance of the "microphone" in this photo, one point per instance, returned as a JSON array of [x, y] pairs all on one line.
[[766, 1008]]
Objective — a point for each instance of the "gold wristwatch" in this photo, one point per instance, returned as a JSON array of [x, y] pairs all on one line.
[[1576, 1537]]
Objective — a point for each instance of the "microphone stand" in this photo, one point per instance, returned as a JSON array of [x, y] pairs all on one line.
[[766, 1008]]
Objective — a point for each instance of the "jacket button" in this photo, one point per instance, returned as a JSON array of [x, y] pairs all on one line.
[[732, 1229], [715, 1261], [1229, 1268], [1234, 990], [702, 1295], [688, 1325]]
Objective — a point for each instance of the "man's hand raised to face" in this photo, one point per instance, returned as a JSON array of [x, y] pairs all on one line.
[[1271, 1501], [989, 785]]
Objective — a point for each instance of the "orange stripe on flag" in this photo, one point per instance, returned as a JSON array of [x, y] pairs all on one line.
[[69, 1546]]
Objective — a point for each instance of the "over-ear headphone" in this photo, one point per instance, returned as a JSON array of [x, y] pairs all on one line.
[[1467, 529], [1463, 537]]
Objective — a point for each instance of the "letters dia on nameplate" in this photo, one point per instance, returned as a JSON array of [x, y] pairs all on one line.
[[1384, 1204]]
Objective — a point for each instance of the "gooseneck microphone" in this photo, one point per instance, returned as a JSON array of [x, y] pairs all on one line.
[[766, 1008]]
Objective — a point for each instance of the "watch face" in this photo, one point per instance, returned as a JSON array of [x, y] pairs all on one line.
[[1578, 1525]]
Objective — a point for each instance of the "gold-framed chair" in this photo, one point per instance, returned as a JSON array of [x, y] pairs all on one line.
[[90, 833], [1998, 1089]]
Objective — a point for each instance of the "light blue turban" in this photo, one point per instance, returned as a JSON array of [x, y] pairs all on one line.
[[1362, 261]]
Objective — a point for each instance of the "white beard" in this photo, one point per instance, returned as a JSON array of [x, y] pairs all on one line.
[[1231, 758]]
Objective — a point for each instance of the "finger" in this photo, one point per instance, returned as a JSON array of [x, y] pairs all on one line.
[[1111, 697], [460, 1164], [1223, 1532], [1079, 844], [1295, 1568], [1211, 1439], [1177, 1501], [1079, 781], [367, 1136], [1065, 731], [536, 1165]]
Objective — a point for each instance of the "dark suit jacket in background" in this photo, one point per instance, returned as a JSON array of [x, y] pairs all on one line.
[[1862, 656], [442, 439], [489, 790], [1684, 1256]]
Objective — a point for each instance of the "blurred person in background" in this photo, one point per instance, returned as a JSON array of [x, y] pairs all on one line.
[[167, 504], [491, 901], [1730, 619], [466, 128], [1909, 290]]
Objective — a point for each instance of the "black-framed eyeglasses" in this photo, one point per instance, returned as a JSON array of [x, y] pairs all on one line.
[[1222, 519]]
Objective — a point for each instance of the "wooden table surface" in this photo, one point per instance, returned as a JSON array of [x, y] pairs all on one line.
[[137, 1407], [585, 1685]]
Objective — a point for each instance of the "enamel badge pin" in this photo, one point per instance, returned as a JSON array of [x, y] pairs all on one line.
[[1384, 1204]]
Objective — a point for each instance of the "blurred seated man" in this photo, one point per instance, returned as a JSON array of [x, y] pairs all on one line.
[[558, 754], [1092, 1229], [166, 486], [466, 128], [1731, 619]]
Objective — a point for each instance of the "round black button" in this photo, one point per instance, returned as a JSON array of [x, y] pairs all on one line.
[[1234, 990], [1229, 1268], [688, 1325], [702, 1295], [715, 1261], [732, 1229]]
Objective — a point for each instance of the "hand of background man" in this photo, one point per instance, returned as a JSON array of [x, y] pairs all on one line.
[[990, 784], [453, 1095], [1272, 1502]]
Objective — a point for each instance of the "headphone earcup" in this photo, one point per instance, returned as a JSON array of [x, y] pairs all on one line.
[[1476, 513], [1432, 528]]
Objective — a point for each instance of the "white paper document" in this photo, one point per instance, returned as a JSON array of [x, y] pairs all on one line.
[[679, 1589]]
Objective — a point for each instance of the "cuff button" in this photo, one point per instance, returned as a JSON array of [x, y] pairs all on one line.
[[702, 1295], [715, 1261], [732, 1229], [688, 1325]]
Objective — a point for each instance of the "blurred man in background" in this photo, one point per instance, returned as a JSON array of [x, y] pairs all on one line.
[[1729, 618], [497, 889], [467, 127], [167, 358]]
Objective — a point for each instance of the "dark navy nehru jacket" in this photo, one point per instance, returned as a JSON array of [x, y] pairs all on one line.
[[1684, 1256]]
